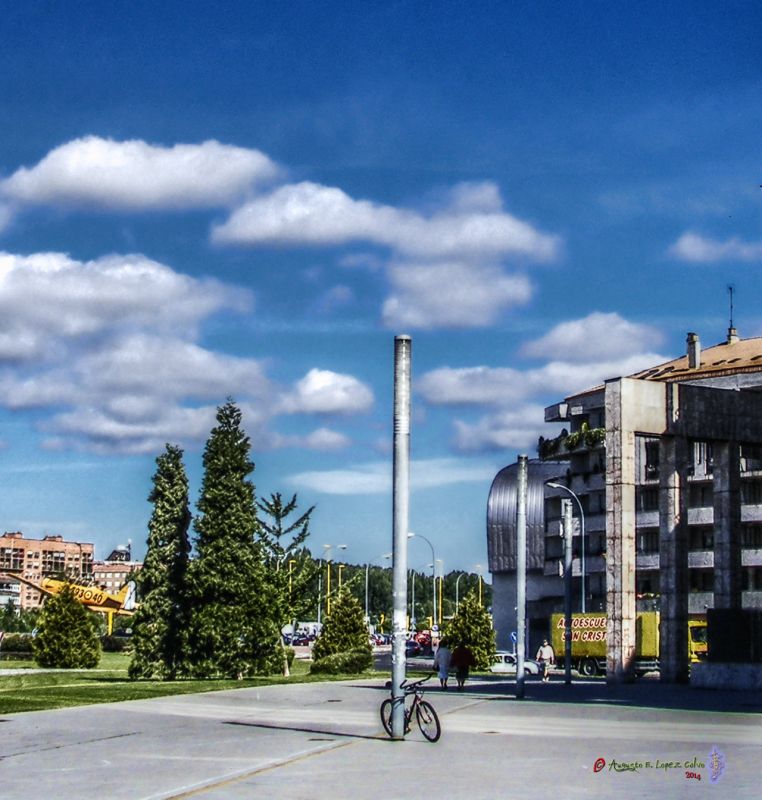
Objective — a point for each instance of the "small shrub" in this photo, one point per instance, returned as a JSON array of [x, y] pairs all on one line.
[[348, 663], [66, 634], [114, 644], [17, 643]]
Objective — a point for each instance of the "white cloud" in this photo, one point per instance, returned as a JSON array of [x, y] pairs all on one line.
[[518, 428], [47, 299], [96, 430], [6, 215], [322, 439], [324, 392], [310, 214], [501, 386], [376, 477], [135, 175], [695, 248], [597, 337], [106, 351], [454, 295]]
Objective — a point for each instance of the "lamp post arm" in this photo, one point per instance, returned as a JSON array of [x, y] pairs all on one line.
[[554, 485]]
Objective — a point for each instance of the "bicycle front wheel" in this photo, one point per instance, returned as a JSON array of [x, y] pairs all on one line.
[[428, 721], [386, 716]]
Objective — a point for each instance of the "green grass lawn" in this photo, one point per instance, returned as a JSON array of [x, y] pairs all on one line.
[[34, 691]]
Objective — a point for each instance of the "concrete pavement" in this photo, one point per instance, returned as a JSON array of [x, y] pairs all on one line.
[[325, 741]]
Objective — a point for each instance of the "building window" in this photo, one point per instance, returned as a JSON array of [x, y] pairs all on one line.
[[751, 493], [646, 499], [703, 458], [700, 495], [701, 580], [652, 459], [751, 536], [701, 537], [646, 583], [647, 540], [751, 580], [751, 457]]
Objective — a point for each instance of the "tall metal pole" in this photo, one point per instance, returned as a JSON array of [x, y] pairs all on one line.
[[582, 570], [401, 504], [566, 513], [433, 577], [367, 615], [521, 573], [320, 589], [412, 604]]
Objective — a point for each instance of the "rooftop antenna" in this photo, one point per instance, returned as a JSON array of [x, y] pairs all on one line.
[[732, 332]]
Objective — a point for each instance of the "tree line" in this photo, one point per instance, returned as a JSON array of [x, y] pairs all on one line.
[[221, 613]]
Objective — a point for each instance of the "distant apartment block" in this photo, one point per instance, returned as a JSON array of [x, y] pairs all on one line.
[[116, 570], [35, 559]]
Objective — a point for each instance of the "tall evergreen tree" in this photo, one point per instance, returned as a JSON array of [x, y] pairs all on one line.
[[163, 612], [233, 628], [472, 627], [66, 633], [289, 564], [344, 630]]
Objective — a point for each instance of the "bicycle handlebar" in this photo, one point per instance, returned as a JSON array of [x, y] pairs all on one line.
[[411, 687]]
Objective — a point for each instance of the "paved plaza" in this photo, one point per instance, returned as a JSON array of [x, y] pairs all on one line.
[[326, 741]]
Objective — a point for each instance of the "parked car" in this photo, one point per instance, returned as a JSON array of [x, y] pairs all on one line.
[[412, 648], [507, 662]]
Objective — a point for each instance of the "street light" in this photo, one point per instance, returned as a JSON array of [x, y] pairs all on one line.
[[367, 605], [328, 548], [441, 587], [433, 572], [581, 535], [479, 573], [457, 581]]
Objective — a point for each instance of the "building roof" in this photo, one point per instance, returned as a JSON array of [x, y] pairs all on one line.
[[732, 357], [726, 358]]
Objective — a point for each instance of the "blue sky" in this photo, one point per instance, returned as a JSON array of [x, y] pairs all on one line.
[[208, 200]]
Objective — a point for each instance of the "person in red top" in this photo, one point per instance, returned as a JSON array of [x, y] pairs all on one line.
[[462, 660]]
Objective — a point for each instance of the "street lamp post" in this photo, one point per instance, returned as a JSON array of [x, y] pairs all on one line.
[[367, 603], [433, 573], [412, 604], [328, 548], [441, 589], [554, 485], [457, 581], [479, 573]]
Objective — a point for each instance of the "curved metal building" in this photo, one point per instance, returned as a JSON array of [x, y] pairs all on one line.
[[501, 542]]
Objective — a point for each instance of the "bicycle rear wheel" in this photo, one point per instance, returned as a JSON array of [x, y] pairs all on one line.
[[428, 721], [386, 716]]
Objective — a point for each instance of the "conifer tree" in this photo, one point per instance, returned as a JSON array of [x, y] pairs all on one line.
[[472, 627], [290, 566], [344, 629], [163, 612], [66, 633], [233, 628]]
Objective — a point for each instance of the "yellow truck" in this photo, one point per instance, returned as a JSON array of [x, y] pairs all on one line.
[[589, 641]]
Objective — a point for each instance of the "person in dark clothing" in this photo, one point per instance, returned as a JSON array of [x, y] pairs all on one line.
[[462, 660]]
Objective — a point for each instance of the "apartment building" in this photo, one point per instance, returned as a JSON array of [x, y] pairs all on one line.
[[112, 573], [666, 470], [34, 559]]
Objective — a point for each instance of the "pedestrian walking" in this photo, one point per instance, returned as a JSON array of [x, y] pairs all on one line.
[[546, 656], [442, 663], [462, 659]]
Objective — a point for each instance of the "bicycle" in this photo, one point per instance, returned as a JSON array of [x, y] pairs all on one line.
[[425, 716]]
